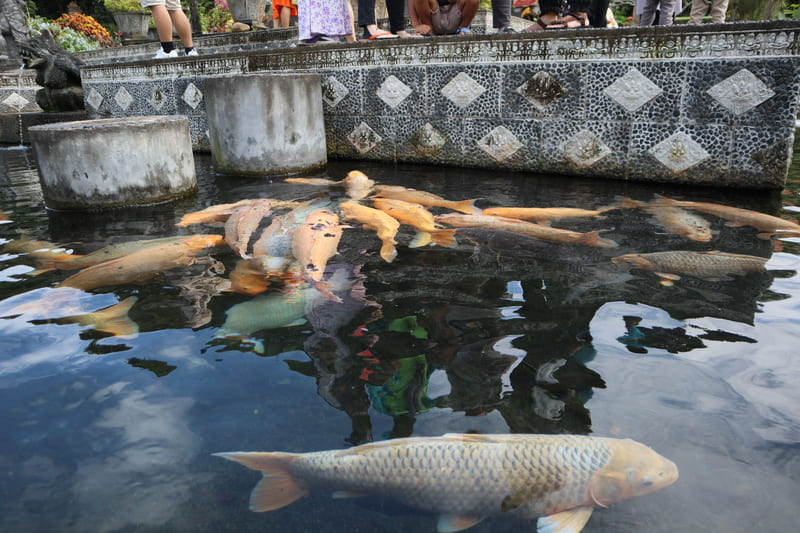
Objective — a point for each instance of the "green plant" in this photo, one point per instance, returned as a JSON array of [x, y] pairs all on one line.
[[218, 19], [69, 39], [123, 5]]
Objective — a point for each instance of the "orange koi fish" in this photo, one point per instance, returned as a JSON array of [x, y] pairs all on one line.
[[418, 217], [543, 213], [314, 243], [242, 222], [384, 225], [425, 198], [545, 233], [142, 265], [358, 185], [675, 220]]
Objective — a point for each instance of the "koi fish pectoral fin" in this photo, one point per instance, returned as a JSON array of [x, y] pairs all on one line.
[[450, 523], [571, 521]]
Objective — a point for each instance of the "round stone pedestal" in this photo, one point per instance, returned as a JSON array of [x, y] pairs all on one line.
[[266, 124], [99, 164]]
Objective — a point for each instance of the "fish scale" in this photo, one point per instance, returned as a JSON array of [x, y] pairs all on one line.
[[557, 479]]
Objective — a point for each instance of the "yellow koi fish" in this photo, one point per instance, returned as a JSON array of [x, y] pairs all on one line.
[[557, 479], [39, 250], [221, 212], [425, 198], [543, 213], [734, 215], [314, 243], [358, 185], [113, 319], [384, 225], [674, 219], [418, 217], [530, 229], [242, 222], [142, 265]]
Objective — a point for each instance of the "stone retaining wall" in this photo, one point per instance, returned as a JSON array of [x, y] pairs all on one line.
[[712, 104]]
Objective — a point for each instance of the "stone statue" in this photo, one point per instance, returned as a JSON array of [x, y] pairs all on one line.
[[13, 28], [57, 71]]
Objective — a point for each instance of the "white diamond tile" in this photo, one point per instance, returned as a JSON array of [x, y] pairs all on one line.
[[94, 98], [541, 89], [741, 92], [157, 98], [585, 149], [633, 90], [393, 91], [16, 101], [500, 143], [462, 90], [679, 152], [192, 96], [333, 91], [364, 138], [123, 98], [428, 140]]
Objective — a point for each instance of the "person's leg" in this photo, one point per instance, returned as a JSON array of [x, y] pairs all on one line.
[[648, 13], [421, 12], [699, 9], [549, 11], [577, 17], [350, 37], [468, 8], [501, 14], [285, 16], [667, 12], [163, 24], [397, 17], [718, 10], [182, 26]]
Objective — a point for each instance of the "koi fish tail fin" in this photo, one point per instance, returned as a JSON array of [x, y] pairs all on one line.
[[662, 200], [445, 237], [325, 289], [593, 238], [115, 319], [277, 488], [388, 251], [629, 203], [422, 238], [468, 207]]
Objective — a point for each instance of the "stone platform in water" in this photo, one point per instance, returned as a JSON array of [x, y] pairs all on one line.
[[711, 104]]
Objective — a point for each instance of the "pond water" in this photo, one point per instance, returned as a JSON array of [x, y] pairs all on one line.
[[106, 433]]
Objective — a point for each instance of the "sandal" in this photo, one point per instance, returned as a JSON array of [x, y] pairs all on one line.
[[573, 19], [380, 34], [539, 24], [463, 31]]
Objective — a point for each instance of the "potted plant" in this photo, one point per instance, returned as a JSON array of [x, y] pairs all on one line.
[[132, 19]]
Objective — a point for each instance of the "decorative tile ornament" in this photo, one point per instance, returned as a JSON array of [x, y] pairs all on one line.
[[156, 98], [541, 90], [94, 99], [333, 91], [633, 90], [393, 91], [500, 143], [16, 101], [364, 138], [462, 90], [679, 152], [585, 149], [741, 92], [123, 98], [427, 140], [192, 96]]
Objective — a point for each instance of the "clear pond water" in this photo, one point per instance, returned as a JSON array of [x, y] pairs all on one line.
[[103, 433]]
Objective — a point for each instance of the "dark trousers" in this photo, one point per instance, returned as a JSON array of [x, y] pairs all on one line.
[[596, 9], [395, 8], [501, 13]]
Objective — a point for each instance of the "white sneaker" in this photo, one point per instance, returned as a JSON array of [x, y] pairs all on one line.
[[192, 53], [161, 54]]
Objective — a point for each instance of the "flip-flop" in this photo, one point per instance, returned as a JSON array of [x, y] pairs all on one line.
[[463, 31], [379, 35]]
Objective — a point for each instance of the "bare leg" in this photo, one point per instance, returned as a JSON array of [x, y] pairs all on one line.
[[182, 26], [163, 23], [351, 37], [468, 8], [285, 16]]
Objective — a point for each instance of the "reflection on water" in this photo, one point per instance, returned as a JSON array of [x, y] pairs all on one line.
[[499, 334]]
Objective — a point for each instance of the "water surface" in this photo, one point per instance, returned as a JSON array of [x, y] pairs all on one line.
[[498, 335]]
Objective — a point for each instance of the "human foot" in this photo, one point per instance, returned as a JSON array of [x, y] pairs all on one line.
[[542, 22], [573, 19]]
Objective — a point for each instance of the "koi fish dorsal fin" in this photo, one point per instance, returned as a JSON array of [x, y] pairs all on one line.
[[277, 488], [571, 521], [449, 523]]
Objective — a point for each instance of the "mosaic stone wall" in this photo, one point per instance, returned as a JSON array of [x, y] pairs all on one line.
[[712, 104]]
